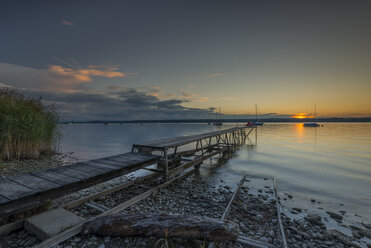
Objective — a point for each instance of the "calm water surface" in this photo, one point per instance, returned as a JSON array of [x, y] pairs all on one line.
[[331, 164]]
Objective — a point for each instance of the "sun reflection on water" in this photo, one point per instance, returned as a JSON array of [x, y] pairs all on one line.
[[299, 130]]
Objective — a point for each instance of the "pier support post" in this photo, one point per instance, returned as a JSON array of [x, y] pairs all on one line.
[[166, 167]]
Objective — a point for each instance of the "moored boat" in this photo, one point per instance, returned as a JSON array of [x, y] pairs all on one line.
[[256, 122], [311, 124]]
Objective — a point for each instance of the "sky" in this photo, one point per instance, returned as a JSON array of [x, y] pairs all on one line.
[[183, 59]]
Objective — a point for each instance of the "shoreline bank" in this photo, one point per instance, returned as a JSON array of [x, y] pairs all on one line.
[[252, 210]]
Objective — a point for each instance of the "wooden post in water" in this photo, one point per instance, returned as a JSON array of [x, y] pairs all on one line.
[[166, 168]]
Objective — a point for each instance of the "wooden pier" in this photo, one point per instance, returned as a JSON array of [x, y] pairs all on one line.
[[177, 155], [29, 190], [171, 155]]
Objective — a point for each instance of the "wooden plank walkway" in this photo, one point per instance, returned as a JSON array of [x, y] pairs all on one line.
[[18, 193], [230, 137], [166, 143]]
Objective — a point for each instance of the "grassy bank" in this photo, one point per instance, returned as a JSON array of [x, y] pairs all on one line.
[[27, 127]]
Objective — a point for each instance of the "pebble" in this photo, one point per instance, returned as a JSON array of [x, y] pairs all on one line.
[[335, 216], [256, 215]]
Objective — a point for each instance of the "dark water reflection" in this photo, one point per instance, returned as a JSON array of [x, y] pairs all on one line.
[[331, 164]]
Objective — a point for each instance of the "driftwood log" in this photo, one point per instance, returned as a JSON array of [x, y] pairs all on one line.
[[163, 225]]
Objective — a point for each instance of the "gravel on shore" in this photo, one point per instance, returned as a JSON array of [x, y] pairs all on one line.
[[190, 196], [253, 209], [193, 196]]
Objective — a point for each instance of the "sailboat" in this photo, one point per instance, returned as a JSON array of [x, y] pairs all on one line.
[[256, 122], [312, 124], [105, 120], [218, 122]]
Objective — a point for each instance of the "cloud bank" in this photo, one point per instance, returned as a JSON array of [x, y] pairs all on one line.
[[123, 104], [66, 87], [56, 77]]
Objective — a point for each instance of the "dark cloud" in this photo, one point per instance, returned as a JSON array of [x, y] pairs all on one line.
[[69, 90], [128, 104]]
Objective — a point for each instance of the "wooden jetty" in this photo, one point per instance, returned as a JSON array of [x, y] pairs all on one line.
[[174, 152], [29, 190], [172, 155]]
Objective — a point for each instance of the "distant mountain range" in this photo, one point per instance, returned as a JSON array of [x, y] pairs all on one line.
[[243, 120]]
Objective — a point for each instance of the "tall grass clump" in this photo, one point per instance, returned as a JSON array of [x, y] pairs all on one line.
[[27, 127]]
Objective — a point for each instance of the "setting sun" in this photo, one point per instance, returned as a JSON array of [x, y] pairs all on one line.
[[302, 116]]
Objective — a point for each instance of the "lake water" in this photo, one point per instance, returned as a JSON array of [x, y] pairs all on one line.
[[331, 164]]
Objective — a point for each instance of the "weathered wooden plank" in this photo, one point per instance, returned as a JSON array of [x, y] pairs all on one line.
[[3, 199], [101, 165], [228, 208], [128, 157], [110, 163], [282, 231], [53, 241], [177, 141], [70, 179], [12, 190], [156, 224], [7, 228], [92, 169], [106, 192], [74, 173], [124, 160], [142, 155], [52, 176], [33, 182]]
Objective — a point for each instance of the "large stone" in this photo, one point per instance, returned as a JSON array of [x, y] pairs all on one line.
[[335, 216], [50, 223], [314, 219]]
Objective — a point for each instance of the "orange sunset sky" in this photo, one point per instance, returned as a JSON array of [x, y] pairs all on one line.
[[183, 59]]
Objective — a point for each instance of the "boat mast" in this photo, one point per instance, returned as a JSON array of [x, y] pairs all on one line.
[[220, 113], [256, 112]]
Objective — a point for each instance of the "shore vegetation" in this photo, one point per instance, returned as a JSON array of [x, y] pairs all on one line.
[[27, 127]]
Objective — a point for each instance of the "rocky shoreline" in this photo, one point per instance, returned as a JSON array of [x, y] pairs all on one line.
[[253, 209]]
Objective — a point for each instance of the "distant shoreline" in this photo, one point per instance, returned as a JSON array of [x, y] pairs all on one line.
[[267, 120]]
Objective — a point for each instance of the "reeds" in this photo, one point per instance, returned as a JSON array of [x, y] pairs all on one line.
[[27, 127]]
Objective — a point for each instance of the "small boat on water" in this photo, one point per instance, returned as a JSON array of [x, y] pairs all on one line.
[[218, 122], [256, 122], [312, 124], [105, 120]]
